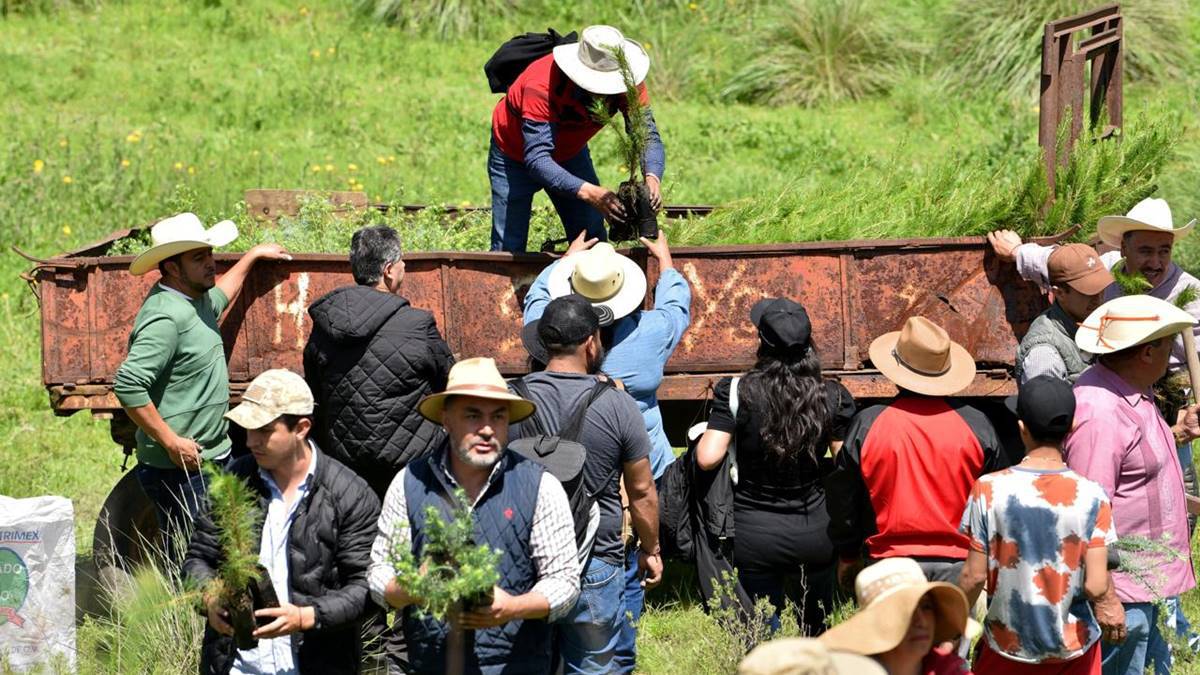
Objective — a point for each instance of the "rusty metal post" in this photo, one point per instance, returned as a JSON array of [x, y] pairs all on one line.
[[1065, 57]]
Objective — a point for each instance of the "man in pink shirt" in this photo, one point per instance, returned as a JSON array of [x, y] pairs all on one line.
[[1123, 443]]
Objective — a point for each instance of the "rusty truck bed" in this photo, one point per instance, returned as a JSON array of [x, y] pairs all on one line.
[[854, 291]]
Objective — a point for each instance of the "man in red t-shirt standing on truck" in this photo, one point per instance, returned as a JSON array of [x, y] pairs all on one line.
[[540, 132]]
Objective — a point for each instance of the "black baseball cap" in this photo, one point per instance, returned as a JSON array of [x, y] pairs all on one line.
[[1046, 405], [568, 320], [782, 323]]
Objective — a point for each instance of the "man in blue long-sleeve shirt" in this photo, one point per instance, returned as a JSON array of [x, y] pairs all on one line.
[[637, 346], [540, 132]]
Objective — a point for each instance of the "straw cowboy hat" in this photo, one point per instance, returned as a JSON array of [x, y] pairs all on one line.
[[888, 592], [1129, 321], [921, 357], [1150, 214], [480, 378], [591, 63], [180, 234], [804, 656], [613, 283]]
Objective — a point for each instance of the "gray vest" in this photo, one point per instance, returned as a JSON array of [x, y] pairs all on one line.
[[1053, 327]]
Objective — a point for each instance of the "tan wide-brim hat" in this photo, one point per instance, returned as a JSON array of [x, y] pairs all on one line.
[[180, 234], [1150, 215], [888, 592], [479, 378], [613, 283], [804, 656], [590, 63], [921, 357], [1128, 321]]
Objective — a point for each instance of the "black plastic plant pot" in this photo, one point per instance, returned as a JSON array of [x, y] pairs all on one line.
[[241, 618], [262, 595], [640, 217]]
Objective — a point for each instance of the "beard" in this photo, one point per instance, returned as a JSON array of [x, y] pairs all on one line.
[[593, 365], [479, 461]]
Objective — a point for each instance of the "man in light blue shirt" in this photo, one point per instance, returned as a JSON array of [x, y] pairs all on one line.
[[317, 529], [638, 344]]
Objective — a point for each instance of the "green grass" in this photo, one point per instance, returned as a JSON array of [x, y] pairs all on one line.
[[124, 112]]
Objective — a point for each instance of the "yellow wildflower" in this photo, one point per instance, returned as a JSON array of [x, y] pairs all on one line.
[[316, 53], [303, 11], [191, 171], [331, 51], [67, 180], [352, 167], [134, 136], [381, 159], [38, 165], [125, 164], [316, 168], [254, 153], [622, 169], [391, 158], [351, 180], [692, 6], [66, 230], [62, 142], [464, 204], [647, 45], [179, 166], [329, 167]]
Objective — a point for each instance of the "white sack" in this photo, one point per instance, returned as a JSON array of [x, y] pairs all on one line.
[[37, 583]]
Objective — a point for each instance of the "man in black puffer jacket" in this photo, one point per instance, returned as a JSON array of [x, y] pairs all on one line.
[[318, 524], [370, 359]]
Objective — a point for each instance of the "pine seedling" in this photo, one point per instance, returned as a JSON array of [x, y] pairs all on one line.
[[453, 571], [1187, 296], [634, 135], [236, 513], [1131, 283]]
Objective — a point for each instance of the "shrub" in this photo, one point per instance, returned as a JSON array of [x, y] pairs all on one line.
[[817, 51], [443, 18], [998, 43]]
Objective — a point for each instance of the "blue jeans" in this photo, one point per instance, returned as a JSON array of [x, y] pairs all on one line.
[[1132, 656], [635, 601], [513, 189], [588, 635], [177, 496]]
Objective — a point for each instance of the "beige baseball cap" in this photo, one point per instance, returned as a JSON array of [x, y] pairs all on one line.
[[273, 393]]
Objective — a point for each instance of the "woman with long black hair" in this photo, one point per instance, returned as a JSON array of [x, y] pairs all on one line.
[[787, 419]]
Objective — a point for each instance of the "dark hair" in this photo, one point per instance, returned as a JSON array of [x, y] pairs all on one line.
[[1122, 355], [786, 390], [290, 421], [1049, 437], [373, 248], [177, 259]]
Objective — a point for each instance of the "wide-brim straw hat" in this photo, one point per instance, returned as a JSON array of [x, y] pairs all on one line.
[[479, 378], [921, 357], [804, 656], [180, 234], [1150, 215], [1128, 321], [613, 283], [591, 64], [888, 592]]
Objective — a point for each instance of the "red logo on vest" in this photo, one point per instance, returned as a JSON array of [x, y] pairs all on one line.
[[508, 513]]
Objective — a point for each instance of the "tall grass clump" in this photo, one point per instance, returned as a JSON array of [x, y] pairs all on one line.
[[818, 51], [441, 18], [15, 7], [997, 44], [958, 196]]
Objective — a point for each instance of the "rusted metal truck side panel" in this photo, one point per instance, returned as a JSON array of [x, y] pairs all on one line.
[[854, 291]]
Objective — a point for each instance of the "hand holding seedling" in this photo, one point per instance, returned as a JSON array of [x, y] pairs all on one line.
[[218, 616], [289, 619], [603, 200], [504, 608], [655, 187], [1187, 427], [659, 249]]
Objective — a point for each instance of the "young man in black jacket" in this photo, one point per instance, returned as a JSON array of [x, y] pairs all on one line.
[[370, 359], [318, 526]]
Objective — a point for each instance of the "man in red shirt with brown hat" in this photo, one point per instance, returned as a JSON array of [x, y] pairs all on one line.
[[904, 474], [540, 132]]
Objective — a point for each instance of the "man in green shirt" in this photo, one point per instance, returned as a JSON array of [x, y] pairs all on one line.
[[174, 383]]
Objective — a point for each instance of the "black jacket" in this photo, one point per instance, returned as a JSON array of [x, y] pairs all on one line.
[[328, 549], [370, 360]]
